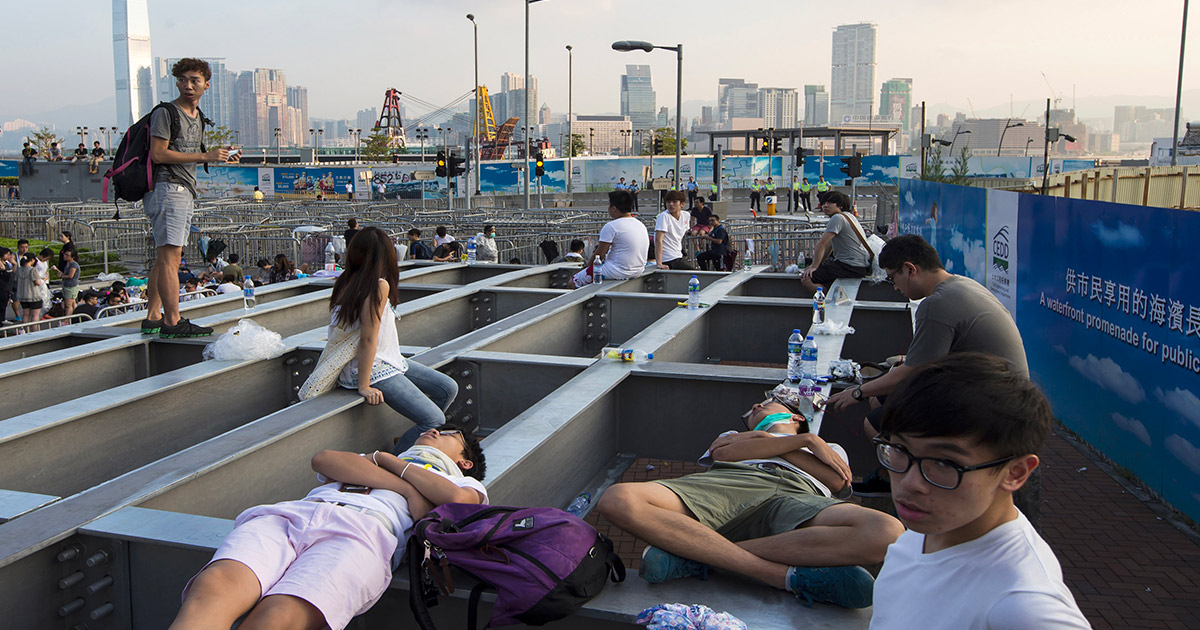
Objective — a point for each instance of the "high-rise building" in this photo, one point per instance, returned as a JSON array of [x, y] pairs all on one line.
[[516, 101], [707, 116], [262, 108], [852, 85], [777, 107], [736, 99], [132, 60], [637, 96], [602, 134], [544, 115], [816, 106], [218, 102], [366, 119], [895, 101], [664, 117], [297, 111]]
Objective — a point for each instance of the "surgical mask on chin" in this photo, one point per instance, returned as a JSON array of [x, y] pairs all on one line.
[[492, 235], [772, 420]]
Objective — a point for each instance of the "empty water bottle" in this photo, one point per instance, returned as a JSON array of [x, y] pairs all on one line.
[[471, 251], [818, 307], [329, 257], [597, 277], [693, 301], [808, 358], [248, 294], [795, 348], [580, 505]]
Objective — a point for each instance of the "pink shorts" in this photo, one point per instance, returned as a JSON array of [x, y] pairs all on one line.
[[337, 559]]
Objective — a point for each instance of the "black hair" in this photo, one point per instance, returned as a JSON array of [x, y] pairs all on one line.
[[577, 245], [233, 258], [473, 451], [415, 232], [262, 262], [621, 200], [188, 64], [841, 199], [22, 241], [716, 216], [487, 229], [228, 277], [369, 258], [46, 251], [352, 223], [441, 230], [4, 251], [514, 261], [909, 248], [971, 394], [67, 233]]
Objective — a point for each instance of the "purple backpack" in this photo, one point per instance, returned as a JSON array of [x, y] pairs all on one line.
[[543, 563]]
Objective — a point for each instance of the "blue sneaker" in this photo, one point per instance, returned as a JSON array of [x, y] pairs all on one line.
[[659, 566], [848, 587]]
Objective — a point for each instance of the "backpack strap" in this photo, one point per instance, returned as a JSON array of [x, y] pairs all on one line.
[[473, 605], [616, 568], [204, 120], [421, 592], [861, 239]]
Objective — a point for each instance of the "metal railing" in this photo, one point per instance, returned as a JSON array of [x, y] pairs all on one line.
[[43, 324]]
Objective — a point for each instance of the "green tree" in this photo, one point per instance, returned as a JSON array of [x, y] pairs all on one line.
[[376, 146], [42, 139], [220, 136], [577, 145], [935, 165], [667, 136], [961, 169]]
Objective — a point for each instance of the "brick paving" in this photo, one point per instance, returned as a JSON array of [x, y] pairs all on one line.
[[1127, 567]]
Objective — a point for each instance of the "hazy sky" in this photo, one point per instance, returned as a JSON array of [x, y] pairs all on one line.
[[348, 52]]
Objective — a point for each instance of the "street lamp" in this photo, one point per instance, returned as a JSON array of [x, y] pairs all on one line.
[[525, 110], [955, 138], [237, 138], [1028, 141], [625, 133], [1008, 125], [279, 145], [570, 110], [475, 116], [83, 132], [626, 46], [356, 134], [591, 138], [423, 135], [317, 156]]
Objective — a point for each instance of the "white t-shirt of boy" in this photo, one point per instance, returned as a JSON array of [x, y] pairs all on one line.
[[1008, 578], [630, 246], [674, 229]]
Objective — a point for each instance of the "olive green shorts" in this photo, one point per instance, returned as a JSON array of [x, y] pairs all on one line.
[[744, 502]]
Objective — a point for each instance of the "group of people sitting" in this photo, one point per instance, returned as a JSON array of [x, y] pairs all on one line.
[[957, 436], [448, 249]]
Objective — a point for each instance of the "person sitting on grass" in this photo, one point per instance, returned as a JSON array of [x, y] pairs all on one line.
[[318, 562], [765, 509]]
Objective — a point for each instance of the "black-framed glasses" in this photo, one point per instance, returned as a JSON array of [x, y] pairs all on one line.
[[940, 473], [891, 277]]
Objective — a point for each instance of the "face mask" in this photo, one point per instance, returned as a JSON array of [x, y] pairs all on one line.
[[772, 420], [492, 235]]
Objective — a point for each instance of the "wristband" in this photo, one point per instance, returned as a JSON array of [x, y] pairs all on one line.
[[405, 469], [373, 460]]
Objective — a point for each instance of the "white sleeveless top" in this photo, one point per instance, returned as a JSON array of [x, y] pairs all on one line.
[[389, 361]]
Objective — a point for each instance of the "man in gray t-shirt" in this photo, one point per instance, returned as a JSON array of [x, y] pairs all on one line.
[[840, 253], [170, 204]]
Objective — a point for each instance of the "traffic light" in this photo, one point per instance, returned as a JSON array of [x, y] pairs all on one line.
[[541, 170], [764, 146], [778, 146], [853, 166], [657, 146], [441, 164], [457, 165], [800, 152]]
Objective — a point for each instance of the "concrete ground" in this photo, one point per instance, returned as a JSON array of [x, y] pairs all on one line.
[[1127, 566]]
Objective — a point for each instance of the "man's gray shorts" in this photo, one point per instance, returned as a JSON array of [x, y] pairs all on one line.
[[169, 208]]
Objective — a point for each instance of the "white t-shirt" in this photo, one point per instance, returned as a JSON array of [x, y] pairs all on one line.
[[390, 504], [1007, 578], [438, 241], [674, 229], [707, 461], [630, 247], [228, 287]]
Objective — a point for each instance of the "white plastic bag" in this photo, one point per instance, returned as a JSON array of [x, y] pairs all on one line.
[[110, 277], [245, 341]]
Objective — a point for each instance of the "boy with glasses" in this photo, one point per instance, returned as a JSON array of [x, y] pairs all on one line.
[[768, 508], [318, 562], [958, 439]]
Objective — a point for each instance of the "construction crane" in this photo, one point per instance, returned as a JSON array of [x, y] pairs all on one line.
[[1053, 92], [485, 124], [492, 141], [389, 119]]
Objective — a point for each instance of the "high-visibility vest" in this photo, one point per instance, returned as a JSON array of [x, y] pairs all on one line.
[[714, 187], [795, 185], [805, 187], [822, 186], [755, 186]]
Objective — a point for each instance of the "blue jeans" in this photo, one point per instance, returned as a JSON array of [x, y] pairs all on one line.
[[422, 394]]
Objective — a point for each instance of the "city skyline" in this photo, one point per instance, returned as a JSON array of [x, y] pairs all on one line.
[[943, 63]]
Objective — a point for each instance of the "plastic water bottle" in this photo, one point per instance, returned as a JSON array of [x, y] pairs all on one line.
[[693, 293], [808, 358], [580, 504], [471, 251], [795, 350], [819, 307], [329, 257], [801, 261], [597, 277], [807, 389], [248, 294]]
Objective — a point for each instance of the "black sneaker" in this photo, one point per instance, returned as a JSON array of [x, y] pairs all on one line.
[[184, 329], [873, 485], [151, 326]]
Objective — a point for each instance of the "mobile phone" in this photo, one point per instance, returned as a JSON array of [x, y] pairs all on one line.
[[818, 401], [355, 488], [234, 152]]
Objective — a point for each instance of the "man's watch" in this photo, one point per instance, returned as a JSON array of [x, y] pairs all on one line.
[[856, 393]]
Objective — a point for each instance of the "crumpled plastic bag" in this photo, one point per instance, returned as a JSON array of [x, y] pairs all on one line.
[[831, 328], [245, 341], [685, 617], [110, 277]]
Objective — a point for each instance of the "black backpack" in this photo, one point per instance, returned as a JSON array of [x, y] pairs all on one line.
[[132, 174]]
